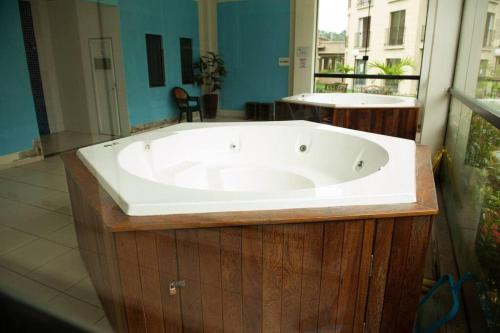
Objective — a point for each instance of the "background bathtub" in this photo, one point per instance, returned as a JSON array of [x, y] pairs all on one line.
[[352, 100], [381, 114], [199, 168]]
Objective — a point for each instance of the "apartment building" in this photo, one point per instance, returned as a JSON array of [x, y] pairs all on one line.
[[385, 31], [489, 67]]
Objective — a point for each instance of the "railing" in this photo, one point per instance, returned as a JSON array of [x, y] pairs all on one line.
[[364, 3], [484, 110], [362, 40], [395, 36]]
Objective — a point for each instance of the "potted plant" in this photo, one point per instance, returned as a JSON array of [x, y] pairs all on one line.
[[211, 70], [398, 68]]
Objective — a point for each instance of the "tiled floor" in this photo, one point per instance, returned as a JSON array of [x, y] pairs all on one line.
[[39, 258]]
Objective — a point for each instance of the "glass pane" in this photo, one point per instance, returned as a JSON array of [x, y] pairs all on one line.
[[370, 40]]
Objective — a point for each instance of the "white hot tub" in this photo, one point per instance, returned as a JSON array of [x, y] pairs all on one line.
[[217, 167], [352, 100]]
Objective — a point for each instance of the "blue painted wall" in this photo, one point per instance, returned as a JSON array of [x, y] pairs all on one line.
[[172, 19], [252, 35], [18, 126]]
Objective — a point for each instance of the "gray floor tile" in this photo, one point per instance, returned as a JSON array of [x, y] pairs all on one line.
[[65, 236], [84, 290], [11, 239], [75, 310], [103, 326], [62, 272], [30, 291], [45, 225], [12, 212], [32, 255]]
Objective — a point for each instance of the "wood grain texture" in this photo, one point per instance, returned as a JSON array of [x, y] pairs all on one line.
[[398, 122], [330, 276], [251, 267], [272, 277], [271, 271], [293, 249], [311, 276], [115, 220]]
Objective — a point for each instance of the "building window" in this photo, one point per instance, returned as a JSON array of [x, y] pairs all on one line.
[[392, 61], [364, 3], [363, 35], [396, 32], [489, 30], [483, 67]]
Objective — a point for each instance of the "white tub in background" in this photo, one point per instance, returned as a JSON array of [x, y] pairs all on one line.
[[216, 167], [352, 100]]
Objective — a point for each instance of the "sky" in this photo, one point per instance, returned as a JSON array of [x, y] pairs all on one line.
[[332, 15]]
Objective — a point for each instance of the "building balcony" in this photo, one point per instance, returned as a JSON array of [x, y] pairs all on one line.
[[364, 3], [362, 40], [394, 37]]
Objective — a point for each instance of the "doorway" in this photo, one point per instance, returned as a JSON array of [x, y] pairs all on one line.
[[104, 82]]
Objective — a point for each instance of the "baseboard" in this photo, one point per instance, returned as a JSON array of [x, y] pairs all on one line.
[[34, 154], [230, 113], [152, 125]]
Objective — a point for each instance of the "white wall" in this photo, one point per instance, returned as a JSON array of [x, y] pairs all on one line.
[[441, 40], [304, 42]]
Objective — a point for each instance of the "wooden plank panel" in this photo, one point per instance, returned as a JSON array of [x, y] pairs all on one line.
[[363, 121], [330, 275], [395, 274], [376, 289], [126, 250], [232, 300], [251, 246], [150, 281], [293, 250], [272, 277], [364, 275], [311, 276], [349, 275], [167, 262], [211, 279], [391, 121], [377, 122], [414, 268], [189, 271]]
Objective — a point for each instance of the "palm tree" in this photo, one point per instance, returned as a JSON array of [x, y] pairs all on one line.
[[344, 69], [395, 68]]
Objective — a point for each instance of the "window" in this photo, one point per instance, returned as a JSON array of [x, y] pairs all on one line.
[[364, 3], [483, 67], [373, 39], [363, 35], [489, 30], [396, 31], [186, 47], [392, 61], [156, 67]]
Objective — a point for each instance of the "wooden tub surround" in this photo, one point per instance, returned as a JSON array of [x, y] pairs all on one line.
[[336, 269], [398, 122]]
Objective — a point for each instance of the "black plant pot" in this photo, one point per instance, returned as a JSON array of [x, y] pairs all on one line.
[[210, 105]]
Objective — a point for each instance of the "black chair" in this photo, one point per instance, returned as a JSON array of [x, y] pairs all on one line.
[[186, 103]]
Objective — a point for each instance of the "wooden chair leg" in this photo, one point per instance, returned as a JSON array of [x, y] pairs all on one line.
[[180, 117], [201, 115], [189, 114]]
